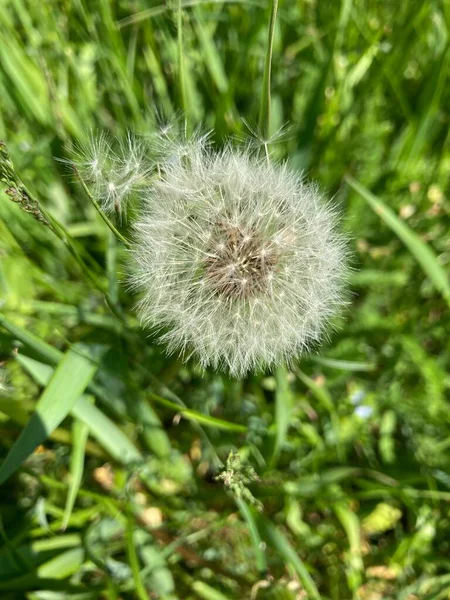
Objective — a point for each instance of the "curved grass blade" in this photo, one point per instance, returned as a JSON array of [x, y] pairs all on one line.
[[418, 248], [70, 379]]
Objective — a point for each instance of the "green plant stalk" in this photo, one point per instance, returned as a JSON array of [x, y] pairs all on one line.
[[181, 75], [140, 590], [115, 231], [247, 514], [264, 113]]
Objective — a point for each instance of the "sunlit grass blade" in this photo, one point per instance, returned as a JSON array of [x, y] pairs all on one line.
[[193, 415], [418, 248], [69, 381], [105, 431], [28, 82], [343, 365]]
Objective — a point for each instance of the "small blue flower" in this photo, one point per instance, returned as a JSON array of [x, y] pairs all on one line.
[[363, 411]]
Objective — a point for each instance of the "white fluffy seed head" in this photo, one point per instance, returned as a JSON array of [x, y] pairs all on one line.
[[237, 259], [115, 172]]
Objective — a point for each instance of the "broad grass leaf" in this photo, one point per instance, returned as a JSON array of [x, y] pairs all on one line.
[[72, 375]]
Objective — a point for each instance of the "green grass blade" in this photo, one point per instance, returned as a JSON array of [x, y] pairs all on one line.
[[210, 53], [418, 248], [320, 392], [69, 381], [264, 112], [106, 432], [80, 433], [40, 348], [281, 544], [153, 434], [181, 62], [344, 365], [247, 513], [206, 592], [63, 565], [350, 523], [193, 415], [133, 558], [283, 412], [48, 575]]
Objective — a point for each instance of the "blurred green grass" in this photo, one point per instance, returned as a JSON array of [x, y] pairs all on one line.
[[356, 483]]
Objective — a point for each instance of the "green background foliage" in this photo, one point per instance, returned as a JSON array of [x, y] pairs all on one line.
[[334, 478]]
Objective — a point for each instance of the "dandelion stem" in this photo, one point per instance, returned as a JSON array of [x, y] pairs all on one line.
[[264, 114], [115, 231]]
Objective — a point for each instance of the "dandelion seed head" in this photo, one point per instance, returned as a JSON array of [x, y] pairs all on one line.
[[115, 172], [237, 260]]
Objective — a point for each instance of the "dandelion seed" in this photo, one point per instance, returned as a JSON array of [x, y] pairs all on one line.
[[238, 260]]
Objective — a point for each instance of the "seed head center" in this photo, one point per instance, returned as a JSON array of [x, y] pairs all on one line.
[[239, 264]]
